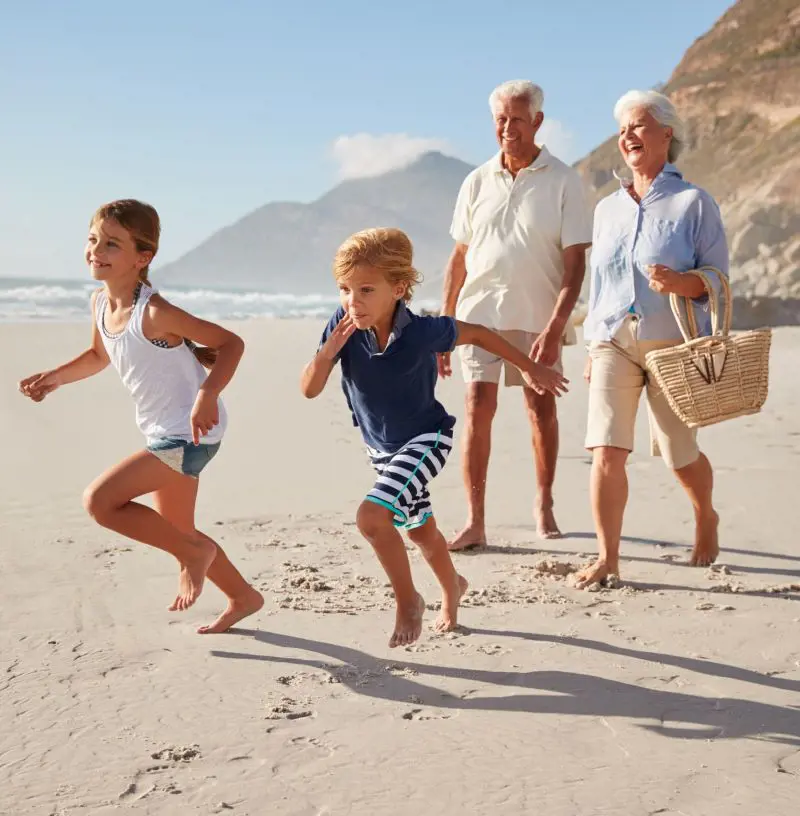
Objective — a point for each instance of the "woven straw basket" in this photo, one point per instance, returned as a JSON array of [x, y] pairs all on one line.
[[710, 379]]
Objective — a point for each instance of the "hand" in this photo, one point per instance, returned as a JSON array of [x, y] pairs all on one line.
[[546, 347], [663, 280], [38, 386], [337, 338], [544, 380], [587, 370], [205, 415], [444, 364]]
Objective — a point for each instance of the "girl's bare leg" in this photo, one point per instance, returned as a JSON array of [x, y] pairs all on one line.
[[109, 501], [375, 524], [176, 503]]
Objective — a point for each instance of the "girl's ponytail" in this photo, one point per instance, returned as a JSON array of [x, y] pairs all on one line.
[[205, 356]]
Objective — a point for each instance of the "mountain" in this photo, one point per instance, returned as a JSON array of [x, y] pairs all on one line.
[[289, 247], [738, 89]]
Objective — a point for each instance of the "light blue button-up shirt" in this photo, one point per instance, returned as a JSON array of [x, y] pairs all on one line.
[[677, 225]]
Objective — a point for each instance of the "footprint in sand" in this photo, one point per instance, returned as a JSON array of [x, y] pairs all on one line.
[[422, 714], [288, 709], [180, 753]]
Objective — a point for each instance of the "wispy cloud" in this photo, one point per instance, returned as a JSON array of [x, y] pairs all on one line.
[[368, 154], [560, 140]]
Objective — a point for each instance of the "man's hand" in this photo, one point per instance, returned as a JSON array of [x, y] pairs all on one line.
[[337, 338], [444, 364], [546, 347], [587, 369]]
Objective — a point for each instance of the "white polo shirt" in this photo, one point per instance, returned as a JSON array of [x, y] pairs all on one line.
[[516, 229]]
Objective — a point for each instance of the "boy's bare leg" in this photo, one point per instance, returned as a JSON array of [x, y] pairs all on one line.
[[109, 501], [176, 503], [433, 546], [375, 524]]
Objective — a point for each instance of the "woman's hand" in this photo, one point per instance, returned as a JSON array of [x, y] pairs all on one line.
[[38, 386], [205, 415], [667, 281]]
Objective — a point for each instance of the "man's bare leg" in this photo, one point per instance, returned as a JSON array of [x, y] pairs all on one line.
[[698, 481], [543, 417], [375, 524], [433, 546], [609, 494], [481, 405]]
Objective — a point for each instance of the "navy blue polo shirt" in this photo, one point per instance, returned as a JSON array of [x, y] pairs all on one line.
[[391, 392]]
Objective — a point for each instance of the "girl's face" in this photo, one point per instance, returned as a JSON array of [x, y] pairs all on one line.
[[368, 297], [112, 254]]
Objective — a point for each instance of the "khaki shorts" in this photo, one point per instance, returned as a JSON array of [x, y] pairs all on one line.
[[618, 376], [478, 365]]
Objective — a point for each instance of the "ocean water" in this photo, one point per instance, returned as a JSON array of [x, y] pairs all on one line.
[[31, 299]]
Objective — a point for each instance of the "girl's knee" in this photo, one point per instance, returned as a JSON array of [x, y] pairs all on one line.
[[373, 519], [96, 505]]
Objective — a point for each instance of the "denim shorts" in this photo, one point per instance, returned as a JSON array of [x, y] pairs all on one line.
[[181, 455]]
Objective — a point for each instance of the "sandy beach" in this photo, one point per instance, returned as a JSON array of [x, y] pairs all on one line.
[[674, 694]]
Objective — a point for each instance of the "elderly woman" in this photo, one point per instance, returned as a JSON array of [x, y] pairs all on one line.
[[648, 237]]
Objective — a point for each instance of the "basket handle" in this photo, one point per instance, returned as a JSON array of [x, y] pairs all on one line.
[[689, 326]]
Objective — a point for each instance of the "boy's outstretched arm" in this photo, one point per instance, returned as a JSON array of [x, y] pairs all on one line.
[[90, 362], [539, 377], [315, 374]]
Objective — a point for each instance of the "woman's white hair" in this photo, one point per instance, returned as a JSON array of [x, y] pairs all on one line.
[[663, 112], [518, 89]]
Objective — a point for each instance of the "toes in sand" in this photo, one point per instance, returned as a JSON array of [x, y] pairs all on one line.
[[448, 615], [193, 573], [408, 624], [472, 537], [706, 545], [238, 608], [597, 573], [546, 525]]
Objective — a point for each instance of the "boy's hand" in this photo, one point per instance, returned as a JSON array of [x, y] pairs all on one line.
[[38, 386], [444, 364], [544, 380], [205, 415], [337, 338]]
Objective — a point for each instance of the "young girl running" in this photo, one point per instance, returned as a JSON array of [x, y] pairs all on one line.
[[388, 357], [150, 343]]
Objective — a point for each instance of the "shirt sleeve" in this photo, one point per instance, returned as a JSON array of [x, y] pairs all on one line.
[[332, 324], [711, 245], [576, 219], [461, 226], [439, 334]]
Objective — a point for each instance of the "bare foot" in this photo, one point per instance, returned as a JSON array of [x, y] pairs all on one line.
[[238, 608], [472, 537], [408, 624], [193, 575], [597, 573], [546, 526], [448, 615], [706, 541]]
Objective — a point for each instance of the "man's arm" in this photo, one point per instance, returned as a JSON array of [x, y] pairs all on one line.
[[454, 276], [546, 347]]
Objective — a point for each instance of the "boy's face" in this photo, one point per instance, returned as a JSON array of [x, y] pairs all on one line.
[[368, 297]]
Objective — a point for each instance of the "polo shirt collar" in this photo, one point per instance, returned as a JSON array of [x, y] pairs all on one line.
[[541, 161], [402, 318]]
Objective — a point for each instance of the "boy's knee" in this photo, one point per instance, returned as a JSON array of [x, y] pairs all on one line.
[[373, 519], [424, 535]]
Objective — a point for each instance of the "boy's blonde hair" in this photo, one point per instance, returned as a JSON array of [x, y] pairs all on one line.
[[385, 248]]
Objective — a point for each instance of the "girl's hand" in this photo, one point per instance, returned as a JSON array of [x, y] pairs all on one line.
[[544, 380], [587, 370], [38, 386], [205, 415], [337, 338]]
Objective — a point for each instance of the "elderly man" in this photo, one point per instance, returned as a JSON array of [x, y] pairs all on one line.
[[521, 227]]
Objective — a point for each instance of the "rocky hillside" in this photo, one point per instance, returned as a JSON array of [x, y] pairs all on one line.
[[738, 88]]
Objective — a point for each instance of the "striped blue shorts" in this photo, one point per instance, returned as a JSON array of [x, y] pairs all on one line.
[[403, 477]]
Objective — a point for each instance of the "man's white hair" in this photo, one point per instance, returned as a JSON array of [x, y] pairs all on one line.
[[663, 112], [518, 89]]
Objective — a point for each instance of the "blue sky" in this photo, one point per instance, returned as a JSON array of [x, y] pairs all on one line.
[[210, 109]]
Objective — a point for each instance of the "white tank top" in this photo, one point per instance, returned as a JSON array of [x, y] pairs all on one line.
[[163, 381]]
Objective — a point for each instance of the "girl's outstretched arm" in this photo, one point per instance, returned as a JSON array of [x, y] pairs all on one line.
[[539, 377], [163, 318], [315, 374], [90, 362]]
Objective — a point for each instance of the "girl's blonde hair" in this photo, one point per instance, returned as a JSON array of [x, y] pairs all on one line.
[[142, 223], [384, 248]]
